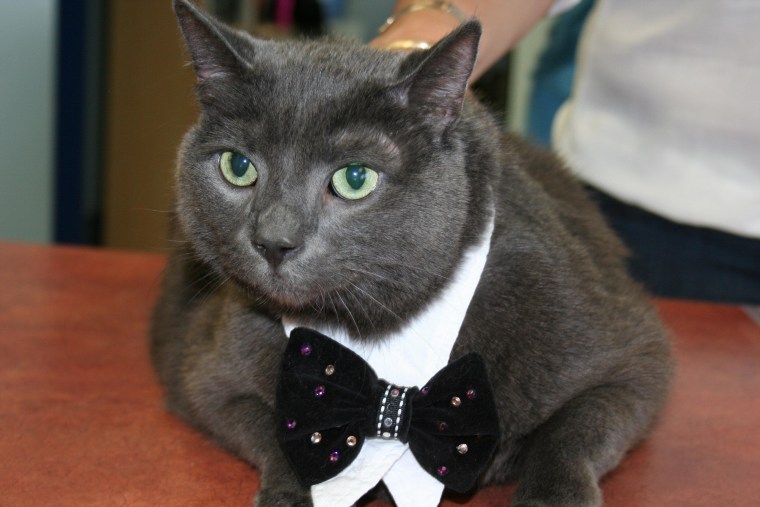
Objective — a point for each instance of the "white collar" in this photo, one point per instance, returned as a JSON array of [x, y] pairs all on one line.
[[409, 357]]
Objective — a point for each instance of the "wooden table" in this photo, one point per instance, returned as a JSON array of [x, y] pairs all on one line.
[[82, 422]]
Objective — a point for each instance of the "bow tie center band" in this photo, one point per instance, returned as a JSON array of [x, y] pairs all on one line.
[[329, 400]]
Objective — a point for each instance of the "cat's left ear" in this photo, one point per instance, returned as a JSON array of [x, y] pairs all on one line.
[[213, 46], [438, 84]]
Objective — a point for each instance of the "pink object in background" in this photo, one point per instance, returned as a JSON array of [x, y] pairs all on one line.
[[283, 13]]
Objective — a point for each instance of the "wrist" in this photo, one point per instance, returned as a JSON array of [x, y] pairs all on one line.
[[441, 6], [419, 23]]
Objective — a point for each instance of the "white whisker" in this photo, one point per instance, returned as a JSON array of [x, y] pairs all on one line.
[[350, 314], [376, 301]]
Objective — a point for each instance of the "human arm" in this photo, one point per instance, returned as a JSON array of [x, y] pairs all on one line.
[[504, 23]]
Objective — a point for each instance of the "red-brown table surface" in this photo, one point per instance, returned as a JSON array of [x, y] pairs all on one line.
[[82, 422]]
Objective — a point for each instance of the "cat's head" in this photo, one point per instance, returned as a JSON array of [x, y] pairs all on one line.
[[331, 180]]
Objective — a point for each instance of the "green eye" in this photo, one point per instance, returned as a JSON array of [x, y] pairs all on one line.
[[355, 181], [237, 169]]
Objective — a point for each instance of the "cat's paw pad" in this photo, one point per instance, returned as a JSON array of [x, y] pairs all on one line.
[[279, 498]]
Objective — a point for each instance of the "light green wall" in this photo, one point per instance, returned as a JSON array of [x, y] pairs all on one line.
[[27, 88]]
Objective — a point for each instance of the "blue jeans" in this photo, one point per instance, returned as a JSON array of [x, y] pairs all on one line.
[[680, 261]]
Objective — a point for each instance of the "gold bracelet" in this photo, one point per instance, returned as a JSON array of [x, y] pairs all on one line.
[[418, 6], [404, 45]]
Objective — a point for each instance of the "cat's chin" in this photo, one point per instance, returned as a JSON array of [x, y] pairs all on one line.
[[289, 302], [282, 296]]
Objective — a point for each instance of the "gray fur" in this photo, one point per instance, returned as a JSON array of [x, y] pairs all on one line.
[[579, 362]]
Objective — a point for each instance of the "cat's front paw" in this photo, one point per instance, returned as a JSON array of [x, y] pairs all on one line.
[[562, 490], [556, 499], [280, 498], [571, 501]]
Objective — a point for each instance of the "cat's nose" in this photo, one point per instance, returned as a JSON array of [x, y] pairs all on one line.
[[278, 233], [275, 251]]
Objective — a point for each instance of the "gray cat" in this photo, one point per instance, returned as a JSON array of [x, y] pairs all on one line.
[[339, 185]]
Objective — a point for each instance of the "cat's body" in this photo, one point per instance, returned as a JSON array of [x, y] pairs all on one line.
[[578, 361]]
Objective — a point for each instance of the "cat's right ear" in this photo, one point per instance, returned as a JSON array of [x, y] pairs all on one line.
[[437, 85], [210, 44]]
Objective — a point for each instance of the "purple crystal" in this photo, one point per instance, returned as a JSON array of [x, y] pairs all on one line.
[[319, 391], [425, 390], [334, 456], [442, 470], [442, 426], [290, 423], [305, 349], [472, 394]]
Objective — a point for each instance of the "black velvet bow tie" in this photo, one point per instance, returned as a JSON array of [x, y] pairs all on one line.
[[329, 400]]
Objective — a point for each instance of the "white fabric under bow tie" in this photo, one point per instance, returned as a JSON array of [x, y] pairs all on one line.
[[409, 357]]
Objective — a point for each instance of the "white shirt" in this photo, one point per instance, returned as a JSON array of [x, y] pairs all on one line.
[[665, 109]]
